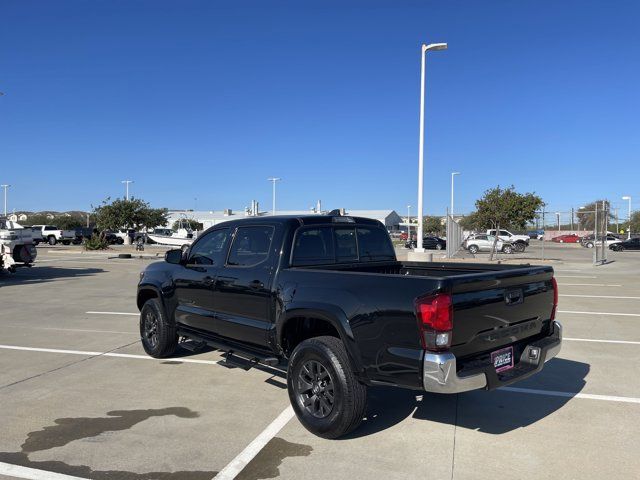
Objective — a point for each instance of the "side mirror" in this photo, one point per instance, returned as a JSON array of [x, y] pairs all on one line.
[[173, 256]]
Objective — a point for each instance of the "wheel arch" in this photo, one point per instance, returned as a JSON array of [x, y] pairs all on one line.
[[313, 320]]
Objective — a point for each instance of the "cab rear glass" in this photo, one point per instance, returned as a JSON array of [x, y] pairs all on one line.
[[323, 245]]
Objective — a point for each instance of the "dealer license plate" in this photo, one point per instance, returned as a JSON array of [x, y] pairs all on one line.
[[502, 359]]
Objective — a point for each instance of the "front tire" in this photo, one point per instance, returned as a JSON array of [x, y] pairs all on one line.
[[589, 245], [323, 390], [507, 249], [473, 249], [159, 338], [438, 246]]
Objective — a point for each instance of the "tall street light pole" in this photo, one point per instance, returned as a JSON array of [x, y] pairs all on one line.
[[626, 197], [558, 217], [273, 180], [5, 186], [453, 174], [423, 59], [127, 182], [408, 223]]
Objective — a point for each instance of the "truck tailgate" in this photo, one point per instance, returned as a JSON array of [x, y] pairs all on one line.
[[490, 311]]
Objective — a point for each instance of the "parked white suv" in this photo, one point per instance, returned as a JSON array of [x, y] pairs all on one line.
[[519, 242], [481, 242]]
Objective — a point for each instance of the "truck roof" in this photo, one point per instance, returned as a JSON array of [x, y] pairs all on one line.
[[303, 220]]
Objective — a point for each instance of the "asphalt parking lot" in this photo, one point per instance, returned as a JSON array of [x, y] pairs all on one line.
[[80, 398]]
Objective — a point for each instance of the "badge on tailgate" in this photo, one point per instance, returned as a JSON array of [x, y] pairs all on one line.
[[514, 296]]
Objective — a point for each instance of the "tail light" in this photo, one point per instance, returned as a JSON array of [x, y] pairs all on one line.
[[554, 283], [435, 321]]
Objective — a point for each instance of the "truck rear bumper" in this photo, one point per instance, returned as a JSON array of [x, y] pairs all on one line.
[[440, 373]]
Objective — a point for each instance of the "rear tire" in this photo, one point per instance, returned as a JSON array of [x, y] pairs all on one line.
[[323, 389], [159, 338], [438, 246], [589, 245], [52, 240]]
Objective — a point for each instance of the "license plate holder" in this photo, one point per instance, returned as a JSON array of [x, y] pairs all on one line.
[[502, 359]]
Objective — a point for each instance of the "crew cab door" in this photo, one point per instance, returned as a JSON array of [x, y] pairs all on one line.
[[195, 281], [242, 295]]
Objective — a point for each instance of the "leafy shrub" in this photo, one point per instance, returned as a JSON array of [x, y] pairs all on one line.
[[96, 242]]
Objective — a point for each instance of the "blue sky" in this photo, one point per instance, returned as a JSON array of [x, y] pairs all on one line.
[[205, 99]]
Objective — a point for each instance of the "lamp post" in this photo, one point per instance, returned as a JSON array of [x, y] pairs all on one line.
[[626, 197], [423, 59], [273, 180], [5, 186], [408, 223], [558, 217], [126, 182], [453, 174]]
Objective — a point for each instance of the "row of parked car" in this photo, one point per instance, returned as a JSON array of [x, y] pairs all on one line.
[[611, 241], [506, 242]]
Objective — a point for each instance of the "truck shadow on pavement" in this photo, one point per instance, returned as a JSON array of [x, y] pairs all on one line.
[[495, 412], [43, 274]]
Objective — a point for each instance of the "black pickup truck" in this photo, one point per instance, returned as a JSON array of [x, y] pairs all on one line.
[[326, 296]]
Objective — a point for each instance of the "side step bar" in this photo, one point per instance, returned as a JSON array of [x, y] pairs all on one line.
[[198, 342]]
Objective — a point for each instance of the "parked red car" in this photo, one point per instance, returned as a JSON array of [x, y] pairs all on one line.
[[570, 238]]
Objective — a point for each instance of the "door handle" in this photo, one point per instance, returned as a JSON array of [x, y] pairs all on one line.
[[256, 285], [208, 280]]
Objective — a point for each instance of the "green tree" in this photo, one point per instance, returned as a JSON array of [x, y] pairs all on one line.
[[470, 222], [134, 213], [587, 216], [506, 208], [193, 224], [433, 225], [70, 222]]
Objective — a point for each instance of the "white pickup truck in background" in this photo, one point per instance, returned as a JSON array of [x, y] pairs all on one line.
[[52, 234], [519, 242], [16, 246]]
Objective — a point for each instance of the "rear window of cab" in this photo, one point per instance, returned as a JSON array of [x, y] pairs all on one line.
[[324, 245]]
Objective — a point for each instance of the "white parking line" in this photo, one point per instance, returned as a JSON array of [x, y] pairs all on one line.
[[69, 329], [107, 354], [628, 342], [236, 465], [588, 396], [601, 313], [32, 473], [113, 313], [599, 296], [588, 285]]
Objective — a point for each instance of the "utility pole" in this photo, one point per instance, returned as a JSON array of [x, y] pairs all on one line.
[[572, 219], [628, 197], [423, 59], [273, 180], [617, 222], [408, 223], [126, 182], [5, 186]]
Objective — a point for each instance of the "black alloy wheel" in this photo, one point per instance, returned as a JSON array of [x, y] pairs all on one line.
[[314, 389], [150, 329]]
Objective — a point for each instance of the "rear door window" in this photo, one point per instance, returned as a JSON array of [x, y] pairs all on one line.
[[250, 246]]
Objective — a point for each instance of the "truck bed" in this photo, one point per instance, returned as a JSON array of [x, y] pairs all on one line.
[[380, 298]]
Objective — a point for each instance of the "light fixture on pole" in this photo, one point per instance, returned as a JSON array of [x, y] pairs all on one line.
[[5, 186], [408, 223], [453, 174], [273, 180], [127, 182], [626, 197], [423, 59]]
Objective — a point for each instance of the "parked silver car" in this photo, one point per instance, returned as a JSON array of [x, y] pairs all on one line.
[[484, 243]]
